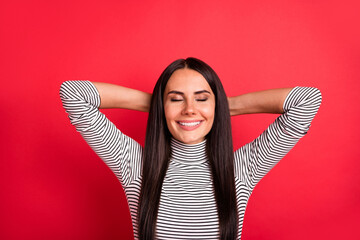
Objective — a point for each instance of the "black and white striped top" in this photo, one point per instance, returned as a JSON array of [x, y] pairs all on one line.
[[187, 207]]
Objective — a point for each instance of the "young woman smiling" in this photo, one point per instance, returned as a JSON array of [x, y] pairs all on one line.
[[187, 183]]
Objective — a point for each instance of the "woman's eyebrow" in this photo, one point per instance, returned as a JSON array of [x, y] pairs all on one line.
[[175, 92], [181, 93], [202, 91]]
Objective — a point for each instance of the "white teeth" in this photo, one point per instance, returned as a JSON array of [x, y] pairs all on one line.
[[190, 124]]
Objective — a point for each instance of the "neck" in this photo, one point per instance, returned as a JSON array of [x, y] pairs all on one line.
[[188, 153]]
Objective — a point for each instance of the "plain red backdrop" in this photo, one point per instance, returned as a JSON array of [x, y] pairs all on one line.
[[53, 186]]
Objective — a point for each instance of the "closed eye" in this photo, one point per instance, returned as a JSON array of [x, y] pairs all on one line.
[[202, 99], [175, 100]]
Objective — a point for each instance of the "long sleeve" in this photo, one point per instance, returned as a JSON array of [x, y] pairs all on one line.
[[121, 154], [255, 159]]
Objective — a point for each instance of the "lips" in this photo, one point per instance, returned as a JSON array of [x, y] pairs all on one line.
[[189, 125]]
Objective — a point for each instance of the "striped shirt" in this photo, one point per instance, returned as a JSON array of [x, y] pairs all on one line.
[[187, 207]]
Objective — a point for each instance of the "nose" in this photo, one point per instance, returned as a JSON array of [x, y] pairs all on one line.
[[189, 108]]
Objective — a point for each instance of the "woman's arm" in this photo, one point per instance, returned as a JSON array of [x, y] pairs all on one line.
[[267, 101], [81, 100], [255, 159], [115, 96]]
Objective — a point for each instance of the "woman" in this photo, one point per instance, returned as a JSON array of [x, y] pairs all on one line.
[[187, 183]]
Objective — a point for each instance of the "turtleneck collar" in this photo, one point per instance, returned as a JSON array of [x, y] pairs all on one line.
[[188, 153]]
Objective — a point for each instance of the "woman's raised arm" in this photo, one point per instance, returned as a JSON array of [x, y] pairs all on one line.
[[298, 106], [115, 96], [267, 101], [82, 100]]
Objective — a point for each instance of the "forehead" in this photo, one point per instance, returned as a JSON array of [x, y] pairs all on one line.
[[187, 81]]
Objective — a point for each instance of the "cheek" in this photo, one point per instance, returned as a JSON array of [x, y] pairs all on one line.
[[167, 112], [209, 112], [170, 114]]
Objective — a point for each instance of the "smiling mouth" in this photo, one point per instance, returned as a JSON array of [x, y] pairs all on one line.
[[189, 124]]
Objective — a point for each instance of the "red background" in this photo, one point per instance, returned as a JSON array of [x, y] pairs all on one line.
[[53, 186]]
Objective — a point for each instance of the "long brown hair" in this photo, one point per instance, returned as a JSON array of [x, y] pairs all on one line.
[[219, 148]]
